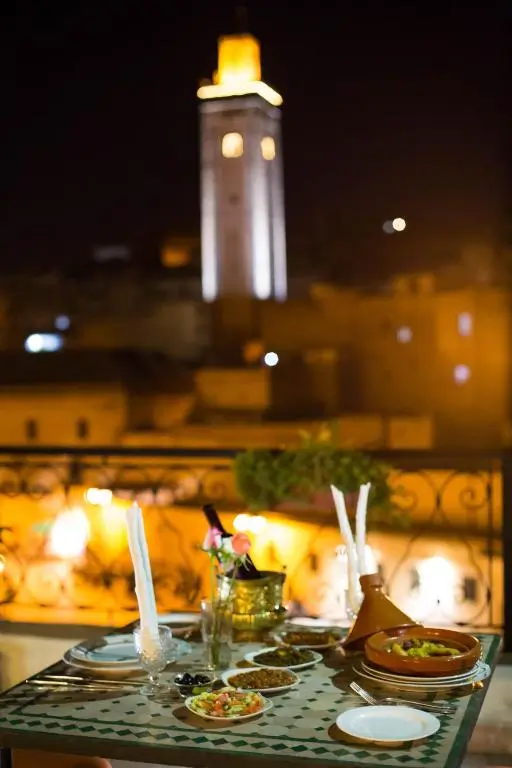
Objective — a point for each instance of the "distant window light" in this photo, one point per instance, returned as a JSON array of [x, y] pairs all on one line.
[[82, 429], [268, 148], [43, 342], [232, 145], [465, 323], [404, 334], [398, 224], [62, 322], [105, 253], [31, 429], [271, 359], [470, 589], [461, 374]]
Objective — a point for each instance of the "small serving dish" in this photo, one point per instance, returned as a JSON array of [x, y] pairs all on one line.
[[191, 684], [261, 679], [228, 704], [284, 657], [400, 651], [313, 639]]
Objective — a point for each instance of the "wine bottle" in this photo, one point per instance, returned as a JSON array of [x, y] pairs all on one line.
[[246, 571]]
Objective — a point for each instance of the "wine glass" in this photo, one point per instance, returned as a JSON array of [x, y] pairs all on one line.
[[154, 654]]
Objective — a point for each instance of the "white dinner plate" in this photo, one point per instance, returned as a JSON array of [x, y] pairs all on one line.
[[116, 652], [387, 724], [279, 689], [310, 623], [385, 675], [267, 704], [279, 638], [482, 672], [180, 619], [114, 669], [253, 659]]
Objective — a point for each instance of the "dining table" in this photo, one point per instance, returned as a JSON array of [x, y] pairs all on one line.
[[298, 730]]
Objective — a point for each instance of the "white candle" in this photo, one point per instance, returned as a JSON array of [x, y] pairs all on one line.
[[143, 580], [361, 510], [346, 532]]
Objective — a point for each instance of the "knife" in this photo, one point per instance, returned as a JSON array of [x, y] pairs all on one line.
[[42, 682]]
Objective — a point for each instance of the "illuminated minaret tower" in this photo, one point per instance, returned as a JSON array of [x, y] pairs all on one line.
[[242, 207]]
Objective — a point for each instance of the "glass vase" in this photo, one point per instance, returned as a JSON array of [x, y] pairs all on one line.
[[217, 635]]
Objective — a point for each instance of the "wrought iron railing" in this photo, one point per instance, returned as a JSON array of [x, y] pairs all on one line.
[[463, 500]]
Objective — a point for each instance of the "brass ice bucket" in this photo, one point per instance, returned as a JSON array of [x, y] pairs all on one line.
[[257, 604]]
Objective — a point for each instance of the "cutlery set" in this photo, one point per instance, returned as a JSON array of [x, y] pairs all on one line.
[[84, 683], [73, 682], [441, 709]]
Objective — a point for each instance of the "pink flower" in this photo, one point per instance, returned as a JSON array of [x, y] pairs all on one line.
[[241, 544], [212, 540]]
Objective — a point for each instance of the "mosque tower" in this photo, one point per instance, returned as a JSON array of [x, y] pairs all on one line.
[[243, 243]]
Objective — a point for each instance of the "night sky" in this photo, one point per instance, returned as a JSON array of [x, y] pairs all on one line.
[[390, 109]]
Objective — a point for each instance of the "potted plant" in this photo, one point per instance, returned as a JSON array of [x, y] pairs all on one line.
[[300, 479]]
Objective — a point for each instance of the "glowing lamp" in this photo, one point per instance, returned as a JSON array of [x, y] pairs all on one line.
[[239, 60], [271, 359], [69, 534], [98, 496]]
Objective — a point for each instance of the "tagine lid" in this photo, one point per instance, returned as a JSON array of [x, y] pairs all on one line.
[[377, 613]]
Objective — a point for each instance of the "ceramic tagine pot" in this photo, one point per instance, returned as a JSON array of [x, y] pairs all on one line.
[[377, 612]]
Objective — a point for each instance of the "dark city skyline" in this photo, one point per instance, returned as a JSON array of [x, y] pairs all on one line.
[[395, 111]]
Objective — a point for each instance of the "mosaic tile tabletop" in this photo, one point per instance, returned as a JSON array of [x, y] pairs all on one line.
[[299, 729]]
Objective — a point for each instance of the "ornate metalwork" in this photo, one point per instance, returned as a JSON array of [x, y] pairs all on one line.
[[456, 501]]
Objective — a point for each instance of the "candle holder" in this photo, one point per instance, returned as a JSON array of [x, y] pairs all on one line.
[[377, 612], [153, 659]]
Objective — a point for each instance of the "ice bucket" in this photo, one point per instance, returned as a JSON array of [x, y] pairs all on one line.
[[257, 604]]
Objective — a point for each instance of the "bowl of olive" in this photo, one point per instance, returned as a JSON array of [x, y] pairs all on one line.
[[190, 685]]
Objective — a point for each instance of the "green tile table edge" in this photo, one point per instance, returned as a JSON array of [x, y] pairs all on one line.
[[196, 756], [459, 745]]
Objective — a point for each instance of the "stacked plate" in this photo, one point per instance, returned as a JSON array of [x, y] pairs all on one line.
[[418, 683], [115, 653]]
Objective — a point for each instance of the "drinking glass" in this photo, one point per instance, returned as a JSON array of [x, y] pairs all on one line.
[[153, 657]]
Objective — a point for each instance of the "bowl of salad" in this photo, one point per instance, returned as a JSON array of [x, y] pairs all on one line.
[[228, 704], [424, 651]]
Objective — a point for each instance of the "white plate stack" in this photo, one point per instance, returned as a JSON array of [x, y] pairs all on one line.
[[115, 653], [418, 683]]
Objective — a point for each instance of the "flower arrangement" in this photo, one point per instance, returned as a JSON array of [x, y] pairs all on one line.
[[228, 552], [226, 555]]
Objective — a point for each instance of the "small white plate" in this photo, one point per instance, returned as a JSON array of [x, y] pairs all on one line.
[[387, 724], [309, 622], [279, 689], [279, 638], [181, 619], [481, 674], [267, 704], [252, 658]]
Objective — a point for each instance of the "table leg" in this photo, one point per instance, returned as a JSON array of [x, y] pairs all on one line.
[[5, 757]]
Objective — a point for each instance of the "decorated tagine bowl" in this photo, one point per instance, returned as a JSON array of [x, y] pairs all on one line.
[[423, 651]]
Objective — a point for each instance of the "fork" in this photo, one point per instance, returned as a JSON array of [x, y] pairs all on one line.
[[442, 709]]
